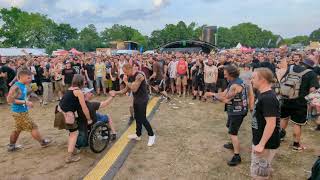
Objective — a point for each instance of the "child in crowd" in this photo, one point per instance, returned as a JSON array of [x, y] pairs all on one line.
[[20, 105]]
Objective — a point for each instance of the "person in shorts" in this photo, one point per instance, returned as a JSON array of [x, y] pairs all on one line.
[[71, 102], [157, 81], [172, 68], [238, 101], [20, 105], [265, 124], [182, 76], [210, 76], [296, 109]]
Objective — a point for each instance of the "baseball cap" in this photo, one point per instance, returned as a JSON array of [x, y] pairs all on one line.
[[87, 90]]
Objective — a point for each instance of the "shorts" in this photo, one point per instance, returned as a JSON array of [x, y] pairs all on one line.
[[182, 79], [211, 87], [108, 84], [297, 114], [23, 122], [67, 86], [100, 81], [3, 90], [234, 123], [58, 86], [261, 163], [173, 80], [69, 118], [198, 84]]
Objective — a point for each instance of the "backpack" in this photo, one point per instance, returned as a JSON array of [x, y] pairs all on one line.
[[315, 174], [290, 83]]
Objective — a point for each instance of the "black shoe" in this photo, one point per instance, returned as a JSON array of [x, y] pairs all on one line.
[[194, 98], [131, 120], [113, 137], [282, 134], [228, 146], [235, 160], [199, 98]]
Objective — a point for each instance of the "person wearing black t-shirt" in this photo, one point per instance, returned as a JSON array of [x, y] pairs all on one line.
[[45, 78], [67, 75], [76, 65], [296, 109], [265, 124], [89, 72]]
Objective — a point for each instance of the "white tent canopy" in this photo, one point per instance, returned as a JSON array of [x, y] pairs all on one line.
[[18, 52], [239, 46]]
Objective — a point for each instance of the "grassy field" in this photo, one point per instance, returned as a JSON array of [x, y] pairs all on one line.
[[190, 135], [189, 146]]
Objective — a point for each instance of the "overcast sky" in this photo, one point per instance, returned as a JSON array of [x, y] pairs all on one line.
[[285, 17]]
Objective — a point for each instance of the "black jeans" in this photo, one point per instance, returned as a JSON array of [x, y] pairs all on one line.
[[140, 110]]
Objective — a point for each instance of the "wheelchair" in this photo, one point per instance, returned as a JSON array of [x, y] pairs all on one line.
[[96, 136]]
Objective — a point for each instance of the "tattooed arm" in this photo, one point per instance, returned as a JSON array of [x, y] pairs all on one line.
[[134, 86], [229, 95], [13, 94]]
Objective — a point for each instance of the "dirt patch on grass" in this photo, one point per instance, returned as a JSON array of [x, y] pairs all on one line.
[[190, 136], [34, 162]]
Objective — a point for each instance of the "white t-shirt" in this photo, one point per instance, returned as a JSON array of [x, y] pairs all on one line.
[[172, 68], [211, 74]]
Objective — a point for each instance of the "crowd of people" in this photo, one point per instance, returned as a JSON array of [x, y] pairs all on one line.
[[274, 85]]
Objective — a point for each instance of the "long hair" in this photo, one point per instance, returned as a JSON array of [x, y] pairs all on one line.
[[77, 81]]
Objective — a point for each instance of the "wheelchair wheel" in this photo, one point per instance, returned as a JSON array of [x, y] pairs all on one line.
[[99, 137]]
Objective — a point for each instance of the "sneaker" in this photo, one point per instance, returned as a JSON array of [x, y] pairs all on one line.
[[76, 151], [152, 140], [228, 146], [131, 119], [72, 158], [234, 161], [113, 137], [194, 98], [134, 137], [45, 143], [298, 148], [14, 147]]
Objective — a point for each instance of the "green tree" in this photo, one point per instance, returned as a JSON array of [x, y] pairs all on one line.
[[24, 29], [123, 33], [172, 32], [64, 32], [304, 40], [315, 35], [89, 40], [52, 47]]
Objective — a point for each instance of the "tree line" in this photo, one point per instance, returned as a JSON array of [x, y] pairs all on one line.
[[23, 29]]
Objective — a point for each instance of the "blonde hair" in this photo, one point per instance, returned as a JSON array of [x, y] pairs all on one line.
[[127, 66], [266, 74]]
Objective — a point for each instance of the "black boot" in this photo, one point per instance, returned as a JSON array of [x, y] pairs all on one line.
[[236, 159]]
